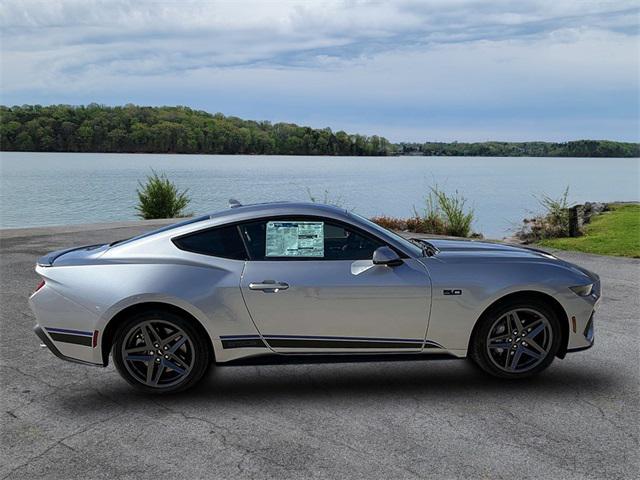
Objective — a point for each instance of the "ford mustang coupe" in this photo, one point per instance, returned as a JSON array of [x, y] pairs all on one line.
[[293, 281]]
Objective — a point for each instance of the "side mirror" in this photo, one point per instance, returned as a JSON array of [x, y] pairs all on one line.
[[386, 256]]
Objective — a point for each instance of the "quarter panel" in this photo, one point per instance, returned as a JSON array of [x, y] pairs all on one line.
[[206, 287]]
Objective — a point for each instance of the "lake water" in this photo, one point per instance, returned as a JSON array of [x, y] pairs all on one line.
[[39, 189]]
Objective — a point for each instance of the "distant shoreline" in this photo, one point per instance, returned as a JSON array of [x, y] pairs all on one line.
[[180, 130], [395, 155]]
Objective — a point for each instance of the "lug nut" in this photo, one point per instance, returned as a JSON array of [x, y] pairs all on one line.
[[166, 348], [167, 357], [156, 345], [157, 360]]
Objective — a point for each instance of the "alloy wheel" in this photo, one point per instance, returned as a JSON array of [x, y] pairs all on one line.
[[519, 340], [158, 353]]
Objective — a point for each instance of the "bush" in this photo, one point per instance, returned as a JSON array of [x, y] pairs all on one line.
[[552, 223], [391, 223], [457, 221], [443, 215], [160, 198], [557, 213]]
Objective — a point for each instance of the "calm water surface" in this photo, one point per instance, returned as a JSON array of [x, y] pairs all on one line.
[[60, 188]]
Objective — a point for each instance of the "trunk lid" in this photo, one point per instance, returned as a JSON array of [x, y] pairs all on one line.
[[72, 256]]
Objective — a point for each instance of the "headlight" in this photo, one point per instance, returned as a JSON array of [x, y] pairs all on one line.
[[582, 290]]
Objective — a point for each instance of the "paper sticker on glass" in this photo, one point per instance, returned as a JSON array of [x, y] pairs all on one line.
[[295, 239]]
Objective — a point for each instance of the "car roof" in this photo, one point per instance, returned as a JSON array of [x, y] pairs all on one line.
[[242, 212]]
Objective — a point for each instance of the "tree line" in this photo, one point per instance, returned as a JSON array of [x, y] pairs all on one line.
[[136, 129], [578, 148]]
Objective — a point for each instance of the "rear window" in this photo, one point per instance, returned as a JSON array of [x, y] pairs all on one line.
[[224, 242], [160, 230]]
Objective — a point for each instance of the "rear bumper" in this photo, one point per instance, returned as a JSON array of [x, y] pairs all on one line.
[[68, 326], [47, 341]]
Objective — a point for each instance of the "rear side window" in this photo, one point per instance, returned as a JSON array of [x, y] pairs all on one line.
[[224, 242]]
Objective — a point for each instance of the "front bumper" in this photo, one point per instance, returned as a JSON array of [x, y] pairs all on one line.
[[589, 334], [49, 344]]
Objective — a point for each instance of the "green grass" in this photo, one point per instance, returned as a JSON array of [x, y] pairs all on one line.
[[616, 232]]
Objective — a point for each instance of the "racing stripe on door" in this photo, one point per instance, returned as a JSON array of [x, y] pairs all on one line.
[[297, 341], [242, 341]]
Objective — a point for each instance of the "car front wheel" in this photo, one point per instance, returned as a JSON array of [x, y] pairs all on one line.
[[160, 352], [516, 340]]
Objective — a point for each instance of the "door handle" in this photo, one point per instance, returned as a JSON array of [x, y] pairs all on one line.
[[269, 286]]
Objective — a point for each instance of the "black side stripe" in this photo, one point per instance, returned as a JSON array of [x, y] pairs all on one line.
[[69, 338], [304, 343], [254, 341], [243, 343]]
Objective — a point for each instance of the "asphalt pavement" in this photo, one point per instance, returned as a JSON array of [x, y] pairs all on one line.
[[421, 419]]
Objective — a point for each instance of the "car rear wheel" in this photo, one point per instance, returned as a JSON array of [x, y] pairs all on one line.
[[160, 352], [516, 340]]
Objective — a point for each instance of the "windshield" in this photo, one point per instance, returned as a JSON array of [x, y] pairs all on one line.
[[412, 247]]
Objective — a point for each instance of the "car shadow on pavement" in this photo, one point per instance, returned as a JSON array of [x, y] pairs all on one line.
[[381, 380], [427, 381]]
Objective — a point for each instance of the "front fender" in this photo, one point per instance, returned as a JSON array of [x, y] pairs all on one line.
[[482, 283]]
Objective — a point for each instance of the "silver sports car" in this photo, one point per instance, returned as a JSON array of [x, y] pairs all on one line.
[[291, 281]]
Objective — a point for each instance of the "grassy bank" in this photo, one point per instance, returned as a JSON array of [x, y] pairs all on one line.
[[616, 232]]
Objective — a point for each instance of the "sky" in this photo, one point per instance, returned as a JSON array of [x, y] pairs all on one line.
[[432, 70]]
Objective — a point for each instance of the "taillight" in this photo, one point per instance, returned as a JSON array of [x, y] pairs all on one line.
[[40, 285]]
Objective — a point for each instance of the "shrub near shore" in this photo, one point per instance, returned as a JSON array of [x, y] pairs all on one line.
[[444, 214], [160, 198]]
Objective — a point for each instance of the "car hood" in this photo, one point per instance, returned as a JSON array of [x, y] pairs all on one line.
[[457, 251], [449, 248]]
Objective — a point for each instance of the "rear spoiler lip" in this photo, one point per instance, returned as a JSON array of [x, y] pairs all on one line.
[[48, 259]]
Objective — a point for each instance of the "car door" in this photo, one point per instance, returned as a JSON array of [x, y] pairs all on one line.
[[311, 285]]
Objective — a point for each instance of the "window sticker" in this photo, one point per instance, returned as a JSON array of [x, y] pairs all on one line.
[[295, 239]]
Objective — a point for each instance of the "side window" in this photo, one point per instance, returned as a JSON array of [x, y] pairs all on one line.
[[309, 239], [255, 237], [342, 243], [222, 242]]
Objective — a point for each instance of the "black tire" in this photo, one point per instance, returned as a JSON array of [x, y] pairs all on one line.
[[175, 371], [489, 355]]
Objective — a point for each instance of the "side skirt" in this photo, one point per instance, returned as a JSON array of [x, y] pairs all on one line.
[[312, 358]]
